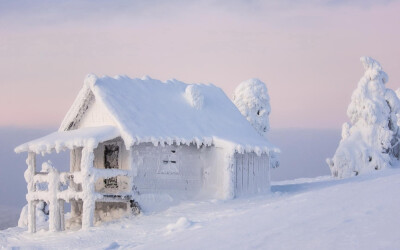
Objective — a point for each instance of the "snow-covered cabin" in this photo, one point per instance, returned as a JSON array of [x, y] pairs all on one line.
[[131, 138]]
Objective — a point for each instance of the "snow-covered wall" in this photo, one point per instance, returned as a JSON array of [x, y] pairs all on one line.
[[206, 172], [174, 170]]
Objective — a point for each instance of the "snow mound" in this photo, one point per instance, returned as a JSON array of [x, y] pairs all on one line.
[[181, 224], [371, 140], [252, 99], [194, 96], [150, 203], [42, 215]]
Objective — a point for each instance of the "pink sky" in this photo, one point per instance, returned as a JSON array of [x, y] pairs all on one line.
[[307, 52]]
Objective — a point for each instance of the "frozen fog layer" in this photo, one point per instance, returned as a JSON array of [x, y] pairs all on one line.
[[371, 140], [8, 216], [252, 99], [315, 213]]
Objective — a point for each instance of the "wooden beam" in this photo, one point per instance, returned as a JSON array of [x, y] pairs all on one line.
[[88, 189], [32, 216], [61, 203], [31, 162]]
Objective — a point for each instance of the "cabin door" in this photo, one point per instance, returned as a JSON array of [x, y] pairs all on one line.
[[111, 158]]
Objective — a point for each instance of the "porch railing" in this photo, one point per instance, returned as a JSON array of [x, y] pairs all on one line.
[[65, 187]]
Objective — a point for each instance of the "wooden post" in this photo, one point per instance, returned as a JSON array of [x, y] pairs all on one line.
[[74, 208], [32, 216], [268, 159], [54, 209], [88, 190], [54, 216], [72, 184], [62, 218], [31, 162]]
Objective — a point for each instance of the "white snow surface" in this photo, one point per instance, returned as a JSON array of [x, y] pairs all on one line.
[[319, 213], [63, 140], [148, 110], [370, 142], [252, 99]]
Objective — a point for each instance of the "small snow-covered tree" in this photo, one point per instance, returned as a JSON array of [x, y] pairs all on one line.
[[371, 140], [252, 99]]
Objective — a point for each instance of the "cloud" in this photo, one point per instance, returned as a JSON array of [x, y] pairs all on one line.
[[48, 12]]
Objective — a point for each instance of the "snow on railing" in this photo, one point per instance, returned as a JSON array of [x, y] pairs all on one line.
[[64, 187]]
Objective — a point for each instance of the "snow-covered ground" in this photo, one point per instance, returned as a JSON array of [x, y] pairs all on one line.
[[318, 213]]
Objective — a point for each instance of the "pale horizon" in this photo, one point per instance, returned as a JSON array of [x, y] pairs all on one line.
[[306, 52]]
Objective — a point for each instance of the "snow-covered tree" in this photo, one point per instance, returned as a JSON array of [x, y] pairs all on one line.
[[252, 99], [371, 140]]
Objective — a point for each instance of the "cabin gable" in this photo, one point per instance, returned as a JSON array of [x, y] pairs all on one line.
[[87, 112], [96, 114]]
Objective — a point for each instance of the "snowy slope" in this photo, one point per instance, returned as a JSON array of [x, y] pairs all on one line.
[[319, 213]]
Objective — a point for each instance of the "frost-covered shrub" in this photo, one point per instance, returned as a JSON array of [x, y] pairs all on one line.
[[398, 115], [42, 214], [371, 140], [252, 99]]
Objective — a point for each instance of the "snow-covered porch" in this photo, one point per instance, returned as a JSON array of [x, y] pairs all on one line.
[[76, 186]]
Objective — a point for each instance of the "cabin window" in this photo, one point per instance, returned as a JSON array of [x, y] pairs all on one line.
[[168, 163], [111, 160]]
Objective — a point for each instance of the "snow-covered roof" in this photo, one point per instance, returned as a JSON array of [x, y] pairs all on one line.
[[148, 110], [61, 140]]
